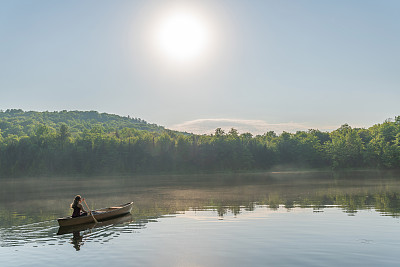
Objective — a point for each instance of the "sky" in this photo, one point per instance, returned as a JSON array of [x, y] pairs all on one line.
[[253, 65]]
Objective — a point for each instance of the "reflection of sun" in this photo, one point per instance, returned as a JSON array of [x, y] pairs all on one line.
[[182, 36]]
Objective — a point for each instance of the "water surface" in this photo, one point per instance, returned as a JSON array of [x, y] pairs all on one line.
[[263, 219]]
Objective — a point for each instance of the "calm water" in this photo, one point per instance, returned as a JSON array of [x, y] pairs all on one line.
[[264, 219]]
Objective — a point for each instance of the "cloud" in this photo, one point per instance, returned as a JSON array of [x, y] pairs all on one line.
[[207, 126]]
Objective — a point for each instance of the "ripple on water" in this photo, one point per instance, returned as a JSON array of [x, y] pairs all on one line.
[[19, 235], [45, 234]]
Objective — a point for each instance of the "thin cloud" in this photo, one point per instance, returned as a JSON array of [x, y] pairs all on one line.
[[207, 126]]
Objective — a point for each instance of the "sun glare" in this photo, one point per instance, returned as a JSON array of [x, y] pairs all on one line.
[[182, 36]]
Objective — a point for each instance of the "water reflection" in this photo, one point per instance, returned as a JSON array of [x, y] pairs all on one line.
[[29, 207], [80, 231], [36, 234], [48, 233], [77, 240], [253, 235]]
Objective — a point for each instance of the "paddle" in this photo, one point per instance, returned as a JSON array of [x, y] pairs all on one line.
[[90, 211]]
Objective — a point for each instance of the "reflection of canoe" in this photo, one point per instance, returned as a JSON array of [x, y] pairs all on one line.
[[100, 215], [81, 227]]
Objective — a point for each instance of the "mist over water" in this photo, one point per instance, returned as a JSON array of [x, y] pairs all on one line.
[[259, 219]]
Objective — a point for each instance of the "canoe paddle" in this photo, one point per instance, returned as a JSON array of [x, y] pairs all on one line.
[[90, 211]]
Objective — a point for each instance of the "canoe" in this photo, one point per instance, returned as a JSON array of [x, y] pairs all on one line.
[[82, 227], [100, 215]]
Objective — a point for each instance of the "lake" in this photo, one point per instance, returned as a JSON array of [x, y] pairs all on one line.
[[258, 219]]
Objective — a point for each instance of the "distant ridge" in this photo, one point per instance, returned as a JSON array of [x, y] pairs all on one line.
[[20, 123]]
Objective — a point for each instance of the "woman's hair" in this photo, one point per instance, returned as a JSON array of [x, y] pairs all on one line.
[[76, 201]]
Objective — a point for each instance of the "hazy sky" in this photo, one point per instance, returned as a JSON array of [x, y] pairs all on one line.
[[265, 65]]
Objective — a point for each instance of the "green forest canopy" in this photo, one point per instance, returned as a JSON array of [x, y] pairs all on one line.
[[88, 142], [20, 123]]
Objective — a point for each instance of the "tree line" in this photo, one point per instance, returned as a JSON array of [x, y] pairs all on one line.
[[49, 147], [21, 123]]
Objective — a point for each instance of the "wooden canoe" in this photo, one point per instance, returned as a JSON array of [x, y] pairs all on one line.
[[100, 215], [82, 227]]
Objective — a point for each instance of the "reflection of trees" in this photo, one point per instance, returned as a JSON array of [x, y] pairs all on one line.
[[387, 203], [289, 204], [10, 218], [155, 196]]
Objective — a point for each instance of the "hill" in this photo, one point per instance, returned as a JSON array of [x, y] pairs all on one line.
[[24, 123]]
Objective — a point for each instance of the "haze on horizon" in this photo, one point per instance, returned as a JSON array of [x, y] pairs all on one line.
[[198, 65]]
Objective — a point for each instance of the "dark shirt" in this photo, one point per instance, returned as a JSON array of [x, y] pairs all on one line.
[[77, 212]]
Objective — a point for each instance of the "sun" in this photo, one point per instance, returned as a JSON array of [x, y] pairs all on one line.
[[182, 36]]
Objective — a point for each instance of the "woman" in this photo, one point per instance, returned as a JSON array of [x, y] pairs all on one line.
[[78, 208]]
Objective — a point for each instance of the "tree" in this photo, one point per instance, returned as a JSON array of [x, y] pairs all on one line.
[[233, 133], [219, 132], [63, 134], [346, 148]]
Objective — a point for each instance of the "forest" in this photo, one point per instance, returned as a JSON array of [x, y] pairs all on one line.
[[92, 143]]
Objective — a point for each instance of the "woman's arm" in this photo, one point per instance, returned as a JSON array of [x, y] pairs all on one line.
[[81, 207]]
